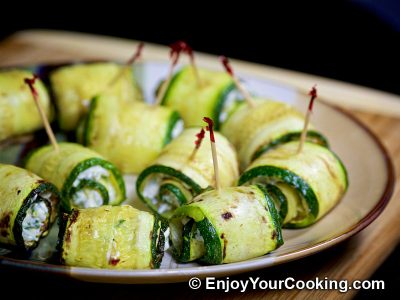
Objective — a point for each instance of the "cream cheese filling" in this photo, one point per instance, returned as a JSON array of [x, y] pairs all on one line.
[[35, 222], [87, 197]]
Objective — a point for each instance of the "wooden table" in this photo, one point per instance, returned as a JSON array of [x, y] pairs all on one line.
[[354, 259]]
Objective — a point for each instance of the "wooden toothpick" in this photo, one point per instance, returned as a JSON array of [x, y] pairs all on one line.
[[128, 63], [174, 56], [249, 99], [35, 94], [176, 49], [313, 94], [210, 128], [189, 51], [197, 143]]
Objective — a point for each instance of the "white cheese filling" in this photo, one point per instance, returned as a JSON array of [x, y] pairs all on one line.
[[152, 190], [231, 101], [88, 197], [166, 235], [34, 222], [178, 128]]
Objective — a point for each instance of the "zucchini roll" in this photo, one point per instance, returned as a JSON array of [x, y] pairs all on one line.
[[129, 135], [112, 237], [176, 177], [212, 98], [307, 184], [84, 178], [28, 206], [18, 113], [229, 225], [255, 130], [74, 87]]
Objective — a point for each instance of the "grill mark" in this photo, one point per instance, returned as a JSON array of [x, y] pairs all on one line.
[[73, 218], [5, 220], [224, 251], [226, 216]]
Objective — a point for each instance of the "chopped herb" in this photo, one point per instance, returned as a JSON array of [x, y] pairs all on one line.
[[120, 222]]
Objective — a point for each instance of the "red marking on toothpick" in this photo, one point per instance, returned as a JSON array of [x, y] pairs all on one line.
[[181, 46], [197, 143], [31, 83], [175, 51], [199, 138], [128, 63], [227, 65], [185, 48], [314, 95], [239, 85], [210, 128], [136, 55]]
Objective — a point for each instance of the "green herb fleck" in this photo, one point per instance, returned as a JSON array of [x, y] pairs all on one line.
[[120, 222]]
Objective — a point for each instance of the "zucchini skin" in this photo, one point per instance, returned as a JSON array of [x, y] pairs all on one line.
[[196, 174], [112, 237], [18, 112], [18, 189], [122, 132], [236, 224], [64, 167], [312, 136], [278, 198], [175, 190], [73, 85], [193, 102], [158, 241], [255, 130], [316, 174]]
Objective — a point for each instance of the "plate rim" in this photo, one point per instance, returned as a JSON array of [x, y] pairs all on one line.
[[182, 274]]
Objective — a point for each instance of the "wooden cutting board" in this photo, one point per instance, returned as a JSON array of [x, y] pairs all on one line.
[[355, 259]]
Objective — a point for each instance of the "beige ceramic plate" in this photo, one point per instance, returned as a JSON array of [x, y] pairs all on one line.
[[371, 185]]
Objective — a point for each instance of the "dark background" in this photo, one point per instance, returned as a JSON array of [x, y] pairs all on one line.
[[355, 41]]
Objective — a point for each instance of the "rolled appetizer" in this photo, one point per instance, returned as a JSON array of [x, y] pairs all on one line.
[[28, 206], [213, 97], [84, 177], [255, 130], [176, 177], [130, 136], [18, 114], [74, 87], [112, 237], [307, 184], [224, 226]]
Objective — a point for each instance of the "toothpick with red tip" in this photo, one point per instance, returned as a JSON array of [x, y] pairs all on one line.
[[31, 83], [313, 94], [197, 143], [210, 128], [174, 53], [189, 51], [128, 63], [239, 85]]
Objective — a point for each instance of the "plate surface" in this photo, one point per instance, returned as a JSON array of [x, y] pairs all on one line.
[[371, 184]]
